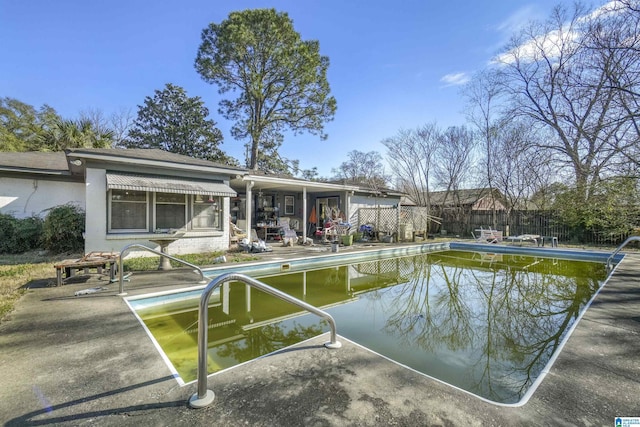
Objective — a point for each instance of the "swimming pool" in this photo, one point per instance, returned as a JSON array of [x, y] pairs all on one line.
[[485, 322]]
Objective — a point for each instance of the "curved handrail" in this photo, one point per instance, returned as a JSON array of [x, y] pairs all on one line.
[[619, 248], [162, 254], [204, 396]]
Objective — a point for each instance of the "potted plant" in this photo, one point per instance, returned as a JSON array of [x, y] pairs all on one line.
[[347, 239]]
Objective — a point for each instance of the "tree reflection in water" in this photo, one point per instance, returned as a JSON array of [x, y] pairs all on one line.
[[487, 323], [267, 339], [505, 317]]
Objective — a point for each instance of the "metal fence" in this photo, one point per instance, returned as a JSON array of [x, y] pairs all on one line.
[[516, 222], [404, 221]]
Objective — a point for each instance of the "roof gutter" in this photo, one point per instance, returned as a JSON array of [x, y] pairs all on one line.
[[156, 163], [54, 172]]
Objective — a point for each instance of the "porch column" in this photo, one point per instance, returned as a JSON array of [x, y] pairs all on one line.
[[249, 207], [304, 214]]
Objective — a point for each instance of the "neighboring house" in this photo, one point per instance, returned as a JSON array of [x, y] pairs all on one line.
[[475, 199], [129, 196]]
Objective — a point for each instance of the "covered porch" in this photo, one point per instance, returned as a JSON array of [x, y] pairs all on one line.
[[267, 203]]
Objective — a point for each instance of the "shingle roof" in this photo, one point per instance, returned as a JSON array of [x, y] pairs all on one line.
[[56, 162], [460, 197], [34, 161], [366, 186]]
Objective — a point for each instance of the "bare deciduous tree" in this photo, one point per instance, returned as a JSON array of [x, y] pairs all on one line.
[[118, 123], [410, 154], [456, 146], [483, 96], [559, 83], [518, 167]]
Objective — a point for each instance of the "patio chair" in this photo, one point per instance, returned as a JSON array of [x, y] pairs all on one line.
[[289, 236], [531, 238], [483, 235], [235, 233], [326, 231]]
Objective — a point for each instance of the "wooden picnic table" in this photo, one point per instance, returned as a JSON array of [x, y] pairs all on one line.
[[97, 260]]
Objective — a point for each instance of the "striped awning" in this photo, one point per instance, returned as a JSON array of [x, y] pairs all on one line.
[[159, 184]]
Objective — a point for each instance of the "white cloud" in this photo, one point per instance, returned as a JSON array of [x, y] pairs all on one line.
[[455, 79], [550, 43], [517, 20], [612, 6]]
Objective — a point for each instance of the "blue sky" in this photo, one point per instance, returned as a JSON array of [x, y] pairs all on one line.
[[393, 65]]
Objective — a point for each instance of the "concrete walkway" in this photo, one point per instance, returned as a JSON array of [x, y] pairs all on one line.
[[69, 360]]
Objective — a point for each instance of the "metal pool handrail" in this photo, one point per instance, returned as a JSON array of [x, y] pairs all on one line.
[[162, 254], [619, 248], [205, 396]]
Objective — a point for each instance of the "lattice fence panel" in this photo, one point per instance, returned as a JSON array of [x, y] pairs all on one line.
[[383, 219]]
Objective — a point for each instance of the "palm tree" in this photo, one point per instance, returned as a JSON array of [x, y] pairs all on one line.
[[76, 134]]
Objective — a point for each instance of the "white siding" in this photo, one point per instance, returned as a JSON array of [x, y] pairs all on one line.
[[97, 239], [23, 198]]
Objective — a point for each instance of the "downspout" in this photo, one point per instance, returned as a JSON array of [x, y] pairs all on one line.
[[398, 219], [35, 189]]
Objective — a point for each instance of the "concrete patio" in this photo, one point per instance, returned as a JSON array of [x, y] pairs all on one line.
[[68, 360]]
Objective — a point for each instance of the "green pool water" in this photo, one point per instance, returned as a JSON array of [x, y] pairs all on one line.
[[486, 323]]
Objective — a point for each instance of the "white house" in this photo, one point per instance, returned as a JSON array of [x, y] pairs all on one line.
[[129, 196], [144, 196]]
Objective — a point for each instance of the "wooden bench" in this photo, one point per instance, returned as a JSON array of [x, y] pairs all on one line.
[[97, 260]]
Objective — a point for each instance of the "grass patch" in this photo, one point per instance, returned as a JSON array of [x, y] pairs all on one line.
[[17, 272], [205, 259]]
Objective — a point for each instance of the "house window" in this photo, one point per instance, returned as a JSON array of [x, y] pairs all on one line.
[[171, 211], [128, 210], [288, 205], [206, 212]]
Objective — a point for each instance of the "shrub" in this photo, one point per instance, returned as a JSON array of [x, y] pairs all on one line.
[[63, 229], [7, 233], [28, 234], [609, 213], [19, 235]]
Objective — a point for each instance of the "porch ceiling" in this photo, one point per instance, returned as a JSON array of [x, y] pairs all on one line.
[[286, 185]]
